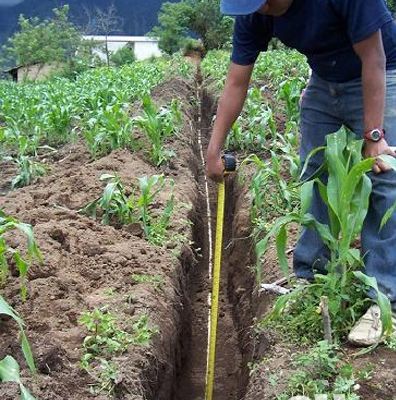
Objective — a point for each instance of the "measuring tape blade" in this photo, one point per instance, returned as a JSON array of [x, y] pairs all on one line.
[[214, 310]]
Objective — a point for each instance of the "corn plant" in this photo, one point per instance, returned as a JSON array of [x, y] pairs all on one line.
[[158, 125], [6, 309], [109, 129], [254, 127], [28, 169], [114, 203], [154, 227], [117, 207], [269, 187], [55, 111], [290, 92], [346, 196], [8, 224]]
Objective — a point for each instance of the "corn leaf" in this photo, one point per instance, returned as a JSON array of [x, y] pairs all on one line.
[[308, 159], [27, 352], [6, 309], [306, 196], [25, 394], [281, 240], [9, 370]]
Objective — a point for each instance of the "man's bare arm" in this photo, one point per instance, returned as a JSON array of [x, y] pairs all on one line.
[[228, 110], [372, 55]]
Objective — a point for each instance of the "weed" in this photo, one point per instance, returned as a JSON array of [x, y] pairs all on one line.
[[109, 292], [156, 280], [142, 332], [320, 372], [390, 342], [106, 340]]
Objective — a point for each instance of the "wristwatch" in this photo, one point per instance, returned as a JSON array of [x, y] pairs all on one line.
[[375, 135]]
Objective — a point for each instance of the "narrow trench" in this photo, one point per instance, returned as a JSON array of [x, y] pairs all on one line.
[[233, 349]]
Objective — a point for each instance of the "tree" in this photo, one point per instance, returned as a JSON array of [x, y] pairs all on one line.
[[44, 41], [201, 18], [392, 5], [124, 55], [104, 22]]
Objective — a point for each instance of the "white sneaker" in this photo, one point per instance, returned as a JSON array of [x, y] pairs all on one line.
[[368, 330]]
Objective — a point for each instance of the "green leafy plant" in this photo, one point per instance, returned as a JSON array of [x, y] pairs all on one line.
[[107, 340], [346, 195], [290, 92], [156, 280], [254, 127], [28, 169], [114, 203], [320, 372], [124, 55], [109, 129], [203, 19], [158, 125], [116, 206], [8, 224], [154, 227]]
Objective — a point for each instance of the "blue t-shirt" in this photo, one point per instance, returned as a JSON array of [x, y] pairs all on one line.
[[323, 30]]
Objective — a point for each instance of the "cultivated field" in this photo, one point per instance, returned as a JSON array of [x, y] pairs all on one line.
[[105, 214]]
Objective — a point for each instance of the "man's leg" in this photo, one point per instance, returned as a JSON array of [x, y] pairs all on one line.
[[379, 246], [319, 111]]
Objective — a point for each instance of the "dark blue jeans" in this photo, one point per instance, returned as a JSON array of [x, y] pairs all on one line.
[[325, 108]]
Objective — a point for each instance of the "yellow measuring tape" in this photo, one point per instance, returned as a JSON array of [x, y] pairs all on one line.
[[214, 310]]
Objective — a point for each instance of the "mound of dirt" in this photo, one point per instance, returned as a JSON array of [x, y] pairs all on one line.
[[88, 265]]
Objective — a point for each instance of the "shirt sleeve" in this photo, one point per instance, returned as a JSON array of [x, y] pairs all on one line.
[[362, 17], [252, 34]]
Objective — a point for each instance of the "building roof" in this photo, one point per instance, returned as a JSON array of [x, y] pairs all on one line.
[[117, 38]]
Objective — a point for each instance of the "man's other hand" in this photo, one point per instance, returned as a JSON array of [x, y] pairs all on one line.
[[374, 149]]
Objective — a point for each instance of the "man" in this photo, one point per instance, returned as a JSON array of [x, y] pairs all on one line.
[[351, 48]]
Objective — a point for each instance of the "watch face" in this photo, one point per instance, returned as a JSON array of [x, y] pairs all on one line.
[[376, 135]]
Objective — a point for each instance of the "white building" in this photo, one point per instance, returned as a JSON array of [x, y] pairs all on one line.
[[143, 46]]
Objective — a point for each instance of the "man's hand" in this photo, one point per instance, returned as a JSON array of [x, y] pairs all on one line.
[[374, 149], [215, 167]]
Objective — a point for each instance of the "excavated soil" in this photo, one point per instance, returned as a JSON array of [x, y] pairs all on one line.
[[89, 265]]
